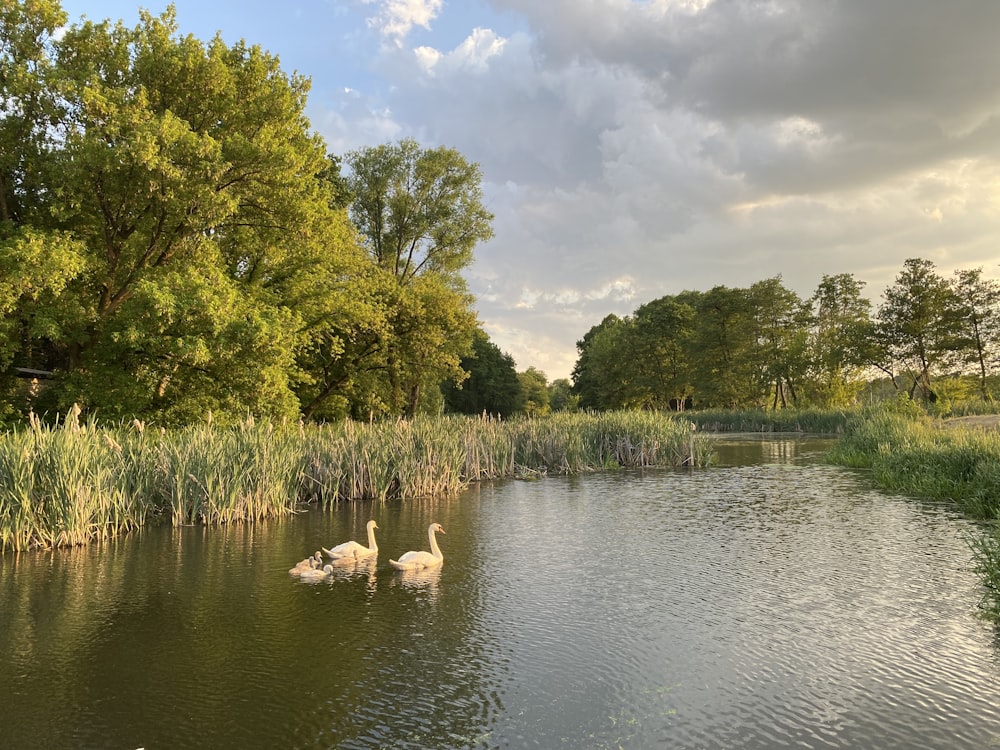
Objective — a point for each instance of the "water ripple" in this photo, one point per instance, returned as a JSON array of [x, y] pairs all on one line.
[[779, 604]]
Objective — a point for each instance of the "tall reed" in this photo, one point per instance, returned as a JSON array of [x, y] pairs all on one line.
[[67, 484], [63, 485], [814, 420]]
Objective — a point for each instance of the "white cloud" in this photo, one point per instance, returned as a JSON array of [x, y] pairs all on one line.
[[472, 55], [396, 18]]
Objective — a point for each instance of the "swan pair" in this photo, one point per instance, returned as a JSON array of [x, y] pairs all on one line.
[[413, 560]]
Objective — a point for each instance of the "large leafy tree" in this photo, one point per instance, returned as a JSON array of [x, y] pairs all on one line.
[[726, 366], [976, 313], [840, 339], [27, 105], [492, 386], [36, 260], [420, 214], [599, 374], [209, 244], [915, 321], [340, 363], [661, 353], [781, 322]]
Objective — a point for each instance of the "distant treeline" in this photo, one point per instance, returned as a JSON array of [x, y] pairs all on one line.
[[934, 338]]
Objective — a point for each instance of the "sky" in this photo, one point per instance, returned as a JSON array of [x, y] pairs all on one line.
[[632, 149]]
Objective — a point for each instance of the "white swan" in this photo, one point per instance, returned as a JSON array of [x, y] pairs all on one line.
[[316, 573], [419, 560], [310, 563], [352, 550]]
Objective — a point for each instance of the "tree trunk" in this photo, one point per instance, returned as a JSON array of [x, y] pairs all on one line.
[[4, 209], [413, 400]]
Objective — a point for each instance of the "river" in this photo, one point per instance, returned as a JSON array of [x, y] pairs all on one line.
[[769, 601]]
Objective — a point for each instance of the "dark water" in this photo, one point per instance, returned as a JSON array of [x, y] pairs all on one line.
[[769, 602]]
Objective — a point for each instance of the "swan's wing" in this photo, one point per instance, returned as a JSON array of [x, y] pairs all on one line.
[[343, 562], [347, 549]]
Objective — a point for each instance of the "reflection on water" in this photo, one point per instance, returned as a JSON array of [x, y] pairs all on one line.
[[772, 601]]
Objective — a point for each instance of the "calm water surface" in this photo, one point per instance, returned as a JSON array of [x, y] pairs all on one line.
[[769, 602]]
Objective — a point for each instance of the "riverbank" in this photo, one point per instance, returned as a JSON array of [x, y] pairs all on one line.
[[956, 460], [979, 421]]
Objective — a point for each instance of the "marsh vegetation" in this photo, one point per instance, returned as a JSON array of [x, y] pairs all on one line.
[[67, 483]]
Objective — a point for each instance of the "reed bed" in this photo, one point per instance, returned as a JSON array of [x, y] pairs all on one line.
[[66, 484], [63, 485], [912, 454], [821, 421]]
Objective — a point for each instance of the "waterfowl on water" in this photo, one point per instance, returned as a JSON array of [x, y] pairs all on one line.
[[349, 551], [310, 563], [314, 573], [420, 559]]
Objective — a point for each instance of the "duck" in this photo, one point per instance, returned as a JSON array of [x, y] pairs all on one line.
[[352, 550], [418, 560], [316, 573]]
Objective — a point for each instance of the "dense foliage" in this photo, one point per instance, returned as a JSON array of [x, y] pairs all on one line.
[[764, 347], [174, 239], [492, 387]]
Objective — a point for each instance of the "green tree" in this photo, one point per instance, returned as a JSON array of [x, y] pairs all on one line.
[[492, 387], [661, 353], [420, 213], [339, 360], [561, 396], [27, 104], [534, 386], [781, 323], [36, 261], [841, 330], [726, 368], [977, 323], [187, 177], [599, 377], [915, 323]]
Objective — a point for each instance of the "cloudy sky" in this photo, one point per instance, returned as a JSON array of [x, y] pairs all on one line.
[[637, 148]]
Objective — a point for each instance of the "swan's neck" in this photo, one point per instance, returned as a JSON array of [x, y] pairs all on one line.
[[371, 537], [435, 550]]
